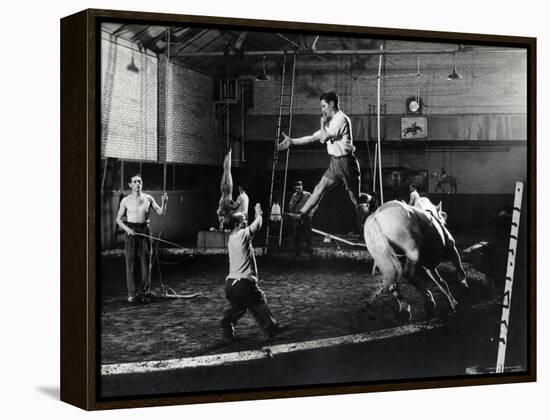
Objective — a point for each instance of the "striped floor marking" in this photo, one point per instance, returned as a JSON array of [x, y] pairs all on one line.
[[266, 352]]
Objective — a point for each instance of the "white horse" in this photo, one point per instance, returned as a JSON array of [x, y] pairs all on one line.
[[409, 242]]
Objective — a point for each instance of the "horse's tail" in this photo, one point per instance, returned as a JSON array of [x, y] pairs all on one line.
[[382, 252]]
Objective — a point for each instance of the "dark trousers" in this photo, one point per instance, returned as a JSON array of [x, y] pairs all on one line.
[[302, 231], [137, 251], [243, 295]]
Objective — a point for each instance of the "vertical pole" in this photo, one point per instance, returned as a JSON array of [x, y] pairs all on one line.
[[104, 175], [374, 169], [242, 122], [378, 129], [507, 299], [164, 178], [227, 143], [166, 83], [291, 105], [121, 176]]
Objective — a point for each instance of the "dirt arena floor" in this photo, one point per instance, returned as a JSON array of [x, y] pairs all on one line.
[[332, 295], [329, 299]]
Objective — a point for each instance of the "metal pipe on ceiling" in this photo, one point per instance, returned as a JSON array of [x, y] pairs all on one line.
[[349, 52]]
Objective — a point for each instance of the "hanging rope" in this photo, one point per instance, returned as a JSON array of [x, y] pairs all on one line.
[[378, 126], [146, 113], [418, 80], [165, 291]]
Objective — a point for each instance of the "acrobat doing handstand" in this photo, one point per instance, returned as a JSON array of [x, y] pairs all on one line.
[[226, 206]]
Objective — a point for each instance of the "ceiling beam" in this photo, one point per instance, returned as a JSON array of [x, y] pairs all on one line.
[[240, 40], [191, 40], [120, 29], [290, 41], [350, 52], [314, 43], [138, 34]]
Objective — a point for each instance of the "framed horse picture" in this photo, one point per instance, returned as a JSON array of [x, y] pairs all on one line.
[[234, 227], [414, 128]]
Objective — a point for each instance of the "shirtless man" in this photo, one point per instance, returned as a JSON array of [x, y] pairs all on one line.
[[226, 205], [136, 208]]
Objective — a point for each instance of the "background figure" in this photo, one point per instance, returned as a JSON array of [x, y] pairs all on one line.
[[241, 285], [275, 215], [136, 207], [241, 203], [414, 196], [302, 228]]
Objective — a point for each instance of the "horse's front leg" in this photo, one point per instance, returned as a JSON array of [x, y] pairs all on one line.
[[457, 262], [443, 286], [429, 302]]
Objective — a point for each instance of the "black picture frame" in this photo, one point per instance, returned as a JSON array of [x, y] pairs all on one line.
[[80, 165]]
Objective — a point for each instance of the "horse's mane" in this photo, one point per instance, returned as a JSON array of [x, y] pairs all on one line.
[[424, 203]]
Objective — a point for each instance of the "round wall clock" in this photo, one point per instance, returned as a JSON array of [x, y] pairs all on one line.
[[414, 105]]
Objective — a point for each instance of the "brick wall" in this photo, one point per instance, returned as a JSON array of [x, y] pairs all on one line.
[[190, 123], [488, 104], [134, 123], [128, 101], [491, 83]]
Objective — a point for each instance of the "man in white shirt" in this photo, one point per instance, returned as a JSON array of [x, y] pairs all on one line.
[[336, 133], [241, 203], [241, 285]]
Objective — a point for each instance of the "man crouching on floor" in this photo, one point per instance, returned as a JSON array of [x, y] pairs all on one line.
[[241, 285]]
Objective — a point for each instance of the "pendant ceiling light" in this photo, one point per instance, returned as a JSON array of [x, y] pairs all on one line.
[[263, 77], [454, 75]]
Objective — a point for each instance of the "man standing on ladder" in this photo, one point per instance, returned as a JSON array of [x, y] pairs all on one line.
[[336, 133]]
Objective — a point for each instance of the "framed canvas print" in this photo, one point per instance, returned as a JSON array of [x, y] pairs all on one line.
[[414, 128], [234, 228]]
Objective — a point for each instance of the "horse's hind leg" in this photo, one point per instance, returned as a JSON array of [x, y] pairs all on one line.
[[404, 307], [410, 272], [443, 286], [390, 275]]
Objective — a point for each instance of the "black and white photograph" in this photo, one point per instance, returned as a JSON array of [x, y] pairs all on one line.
[[274, 212]]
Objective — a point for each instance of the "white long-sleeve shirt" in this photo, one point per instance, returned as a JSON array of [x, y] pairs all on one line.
[[339, 127]]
